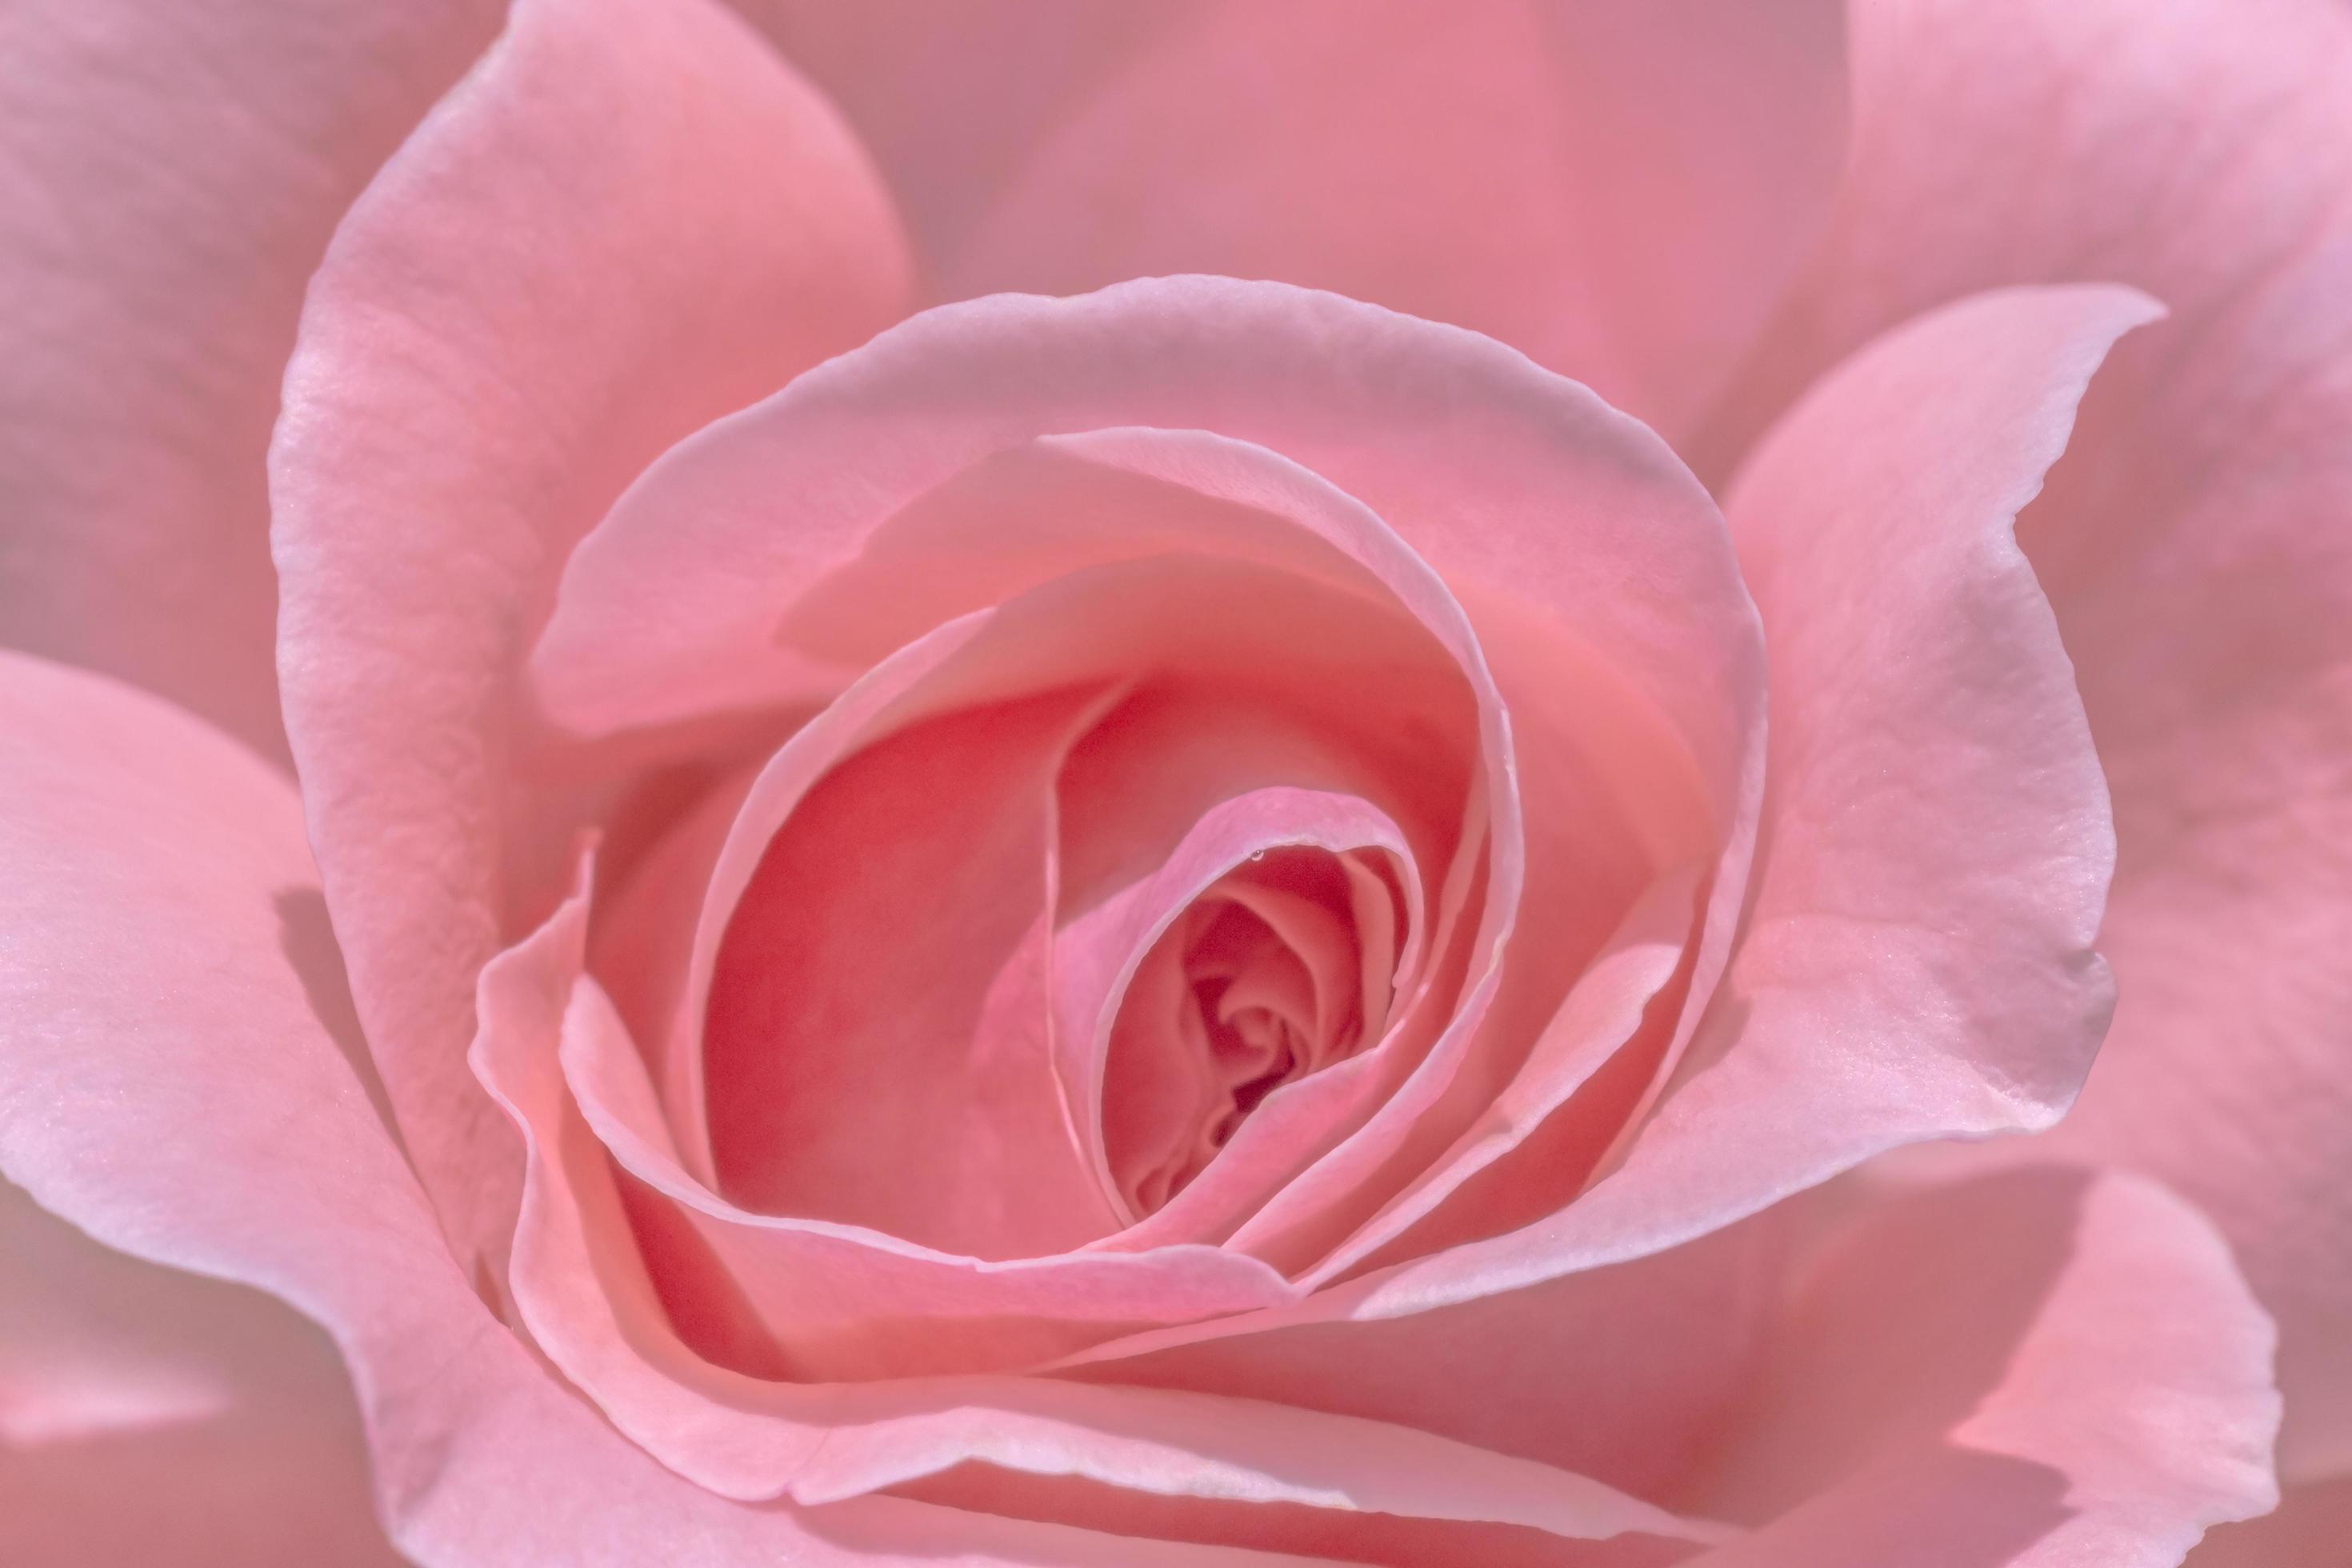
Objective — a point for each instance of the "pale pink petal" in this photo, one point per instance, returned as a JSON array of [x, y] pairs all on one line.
[[1624, 1373], [850, 1301], [1098, 953], [952, 100], [1336, 1535], [876, 1042], [2193, 544], [160, 224], [2040, 1368], [629, 220], [202, 1117], [150, 1415], [1618, 187]]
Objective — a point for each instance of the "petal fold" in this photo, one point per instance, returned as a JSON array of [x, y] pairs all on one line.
[[1973, 1378], [2192, 543], [630, 219], [170, 177]]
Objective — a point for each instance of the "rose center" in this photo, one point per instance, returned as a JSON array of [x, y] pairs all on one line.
[[1272, 974]]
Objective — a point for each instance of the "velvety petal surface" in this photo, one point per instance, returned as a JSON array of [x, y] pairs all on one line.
[[208, 1119], [1620, 188], [2192, 543], [628, 220], [169, 179], [2045, 1368], [149, 1415]]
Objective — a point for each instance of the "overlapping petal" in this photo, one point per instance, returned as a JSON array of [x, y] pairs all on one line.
[[1618, 187], [2192, 543], [1972, 1378], [235, 1140], [159, 226], [630, 219]]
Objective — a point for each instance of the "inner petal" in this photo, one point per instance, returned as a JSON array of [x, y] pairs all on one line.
[[877, 1012], [1264, 979]]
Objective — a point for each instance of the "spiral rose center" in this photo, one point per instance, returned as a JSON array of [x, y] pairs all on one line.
[[1268, 977]]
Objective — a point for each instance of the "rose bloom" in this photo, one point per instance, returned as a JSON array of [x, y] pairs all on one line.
[[1093, 785]]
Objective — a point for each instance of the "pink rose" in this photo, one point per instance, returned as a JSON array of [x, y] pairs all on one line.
[[1202, 913]]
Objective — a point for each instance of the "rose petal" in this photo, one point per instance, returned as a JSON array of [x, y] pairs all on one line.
[[1501, 477], [159, 232], [1601, 1013], [200, 1118], [629, 220], [148, 1415], [1623, 1372], [1973, 1378], [1468, 165], [876, 1047], [2193, 545]]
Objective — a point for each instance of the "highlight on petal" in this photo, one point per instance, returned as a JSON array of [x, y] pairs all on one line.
[[2191, 544], [159, 232], [630, 219], [1973, 1378]]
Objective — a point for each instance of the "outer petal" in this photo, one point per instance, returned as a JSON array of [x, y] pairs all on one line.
[[170, 177], [2193, 544], [1980, 1377], [629, 220], [199, 1116], [1934, 844], [150, 1415], [1618, 187]]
